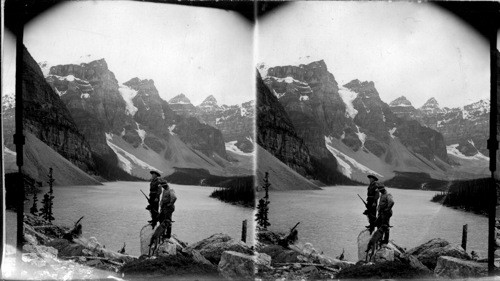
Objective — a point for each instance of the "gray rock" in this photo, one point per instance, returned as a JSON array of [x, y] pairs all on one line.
[[430, 257], [415, 263], [431, 244], [457, 268], [213, 247], [237, 266], [383, 254]]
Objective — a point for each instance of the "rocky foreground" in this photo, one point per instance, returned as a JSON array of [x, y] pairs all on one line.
[[47, 255], [436, 258]]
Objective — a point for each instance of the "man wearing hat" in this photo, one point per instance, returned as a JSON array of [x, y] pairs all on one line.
[[154, 196], [384, 212], [371, 201]]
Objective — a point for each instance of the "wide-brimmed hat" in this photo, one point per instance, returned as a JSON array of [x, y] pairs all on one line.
[[373, 177], [155, 173]]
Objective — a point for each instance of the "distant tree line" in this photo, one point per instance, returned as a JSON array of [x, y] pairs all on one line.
[[470, 195]]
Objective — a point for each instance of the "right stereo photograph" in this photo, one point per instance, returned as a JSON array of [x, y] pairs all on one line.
[[374, 135]]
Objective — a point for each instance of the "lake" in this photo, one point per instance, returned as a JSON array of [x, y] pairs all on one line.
[[332, 218], [115, 213]]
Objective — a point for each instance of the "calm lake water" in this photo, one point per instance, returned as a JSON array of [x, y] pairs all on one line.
[[332, 218], [115, 213]]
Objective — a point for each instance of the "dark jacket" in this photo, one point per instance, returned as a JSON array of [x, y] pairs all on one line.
[[373, 193], [155, 187]]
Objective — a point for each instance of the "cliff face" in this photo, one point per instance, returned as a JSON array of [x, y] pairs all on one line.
[[48, 118], [276, 133]]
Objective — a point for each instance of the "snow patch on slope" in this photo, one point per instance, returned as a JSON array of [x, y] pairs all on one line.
[[361, 136], [127, 160], [348, 96], [392, 131], [8, 151], [128, 95], [278, 95], [171, 129], [231, 146], [346, 162], [141, 132], [453, 150]]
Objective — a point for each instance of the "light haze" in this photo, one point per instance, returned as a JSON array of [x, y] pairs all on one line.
[[411, 49], [191, 50]]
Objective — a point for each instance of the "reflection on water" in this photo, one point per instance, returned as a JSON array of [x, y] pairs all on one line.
[[115, 213], [331, 219]]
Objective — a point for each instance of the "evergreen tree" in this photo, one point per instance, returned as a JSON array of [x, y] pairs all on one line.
[[34, 208], [51, 193], [47, 202], [45, 211], [261, 217]]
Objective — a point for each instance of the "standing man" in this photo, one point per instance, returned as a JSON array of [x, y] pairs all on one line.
[[154, 196], [371, 201], [167, 204], [384, 212]]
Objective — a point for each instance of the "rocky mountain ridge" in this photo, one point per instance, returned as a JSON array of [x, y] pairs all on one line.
[[131, 121], [351, 123], [236, 122], [465, 128]]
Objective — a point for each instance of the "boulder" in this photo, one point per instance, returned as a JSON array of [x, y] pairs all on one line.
[[262, 262], [166, 249], [237, 266], [398, 251], [431, 244], [279, 254], [66, 248], [413, 262], [451, 267], [213, 247], [383, 254], [216, 238], [213, 252], [430, 257], [363, 239], [199, 258]]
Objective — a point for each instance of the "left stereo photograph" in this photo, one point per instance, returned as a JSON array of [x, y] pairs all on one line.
[[138, 153]]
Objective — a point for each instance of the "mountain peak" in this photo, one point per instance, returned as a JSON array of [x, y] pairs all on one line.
[[209, 102], [431, 103], [401, 101], [179, 99]]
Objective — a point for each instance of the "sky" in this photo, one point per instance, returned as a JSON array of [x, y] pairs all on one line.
[[191, 50], [407, 49]]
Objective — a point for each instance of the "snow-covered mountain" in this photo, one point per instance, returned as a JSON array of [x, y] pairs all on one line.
[[466, 127], [236, 122], [131, 122], [351, 123]]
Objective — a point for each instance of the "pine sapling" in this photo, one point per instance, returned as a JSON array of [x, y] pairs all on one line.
[[263, 207]]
